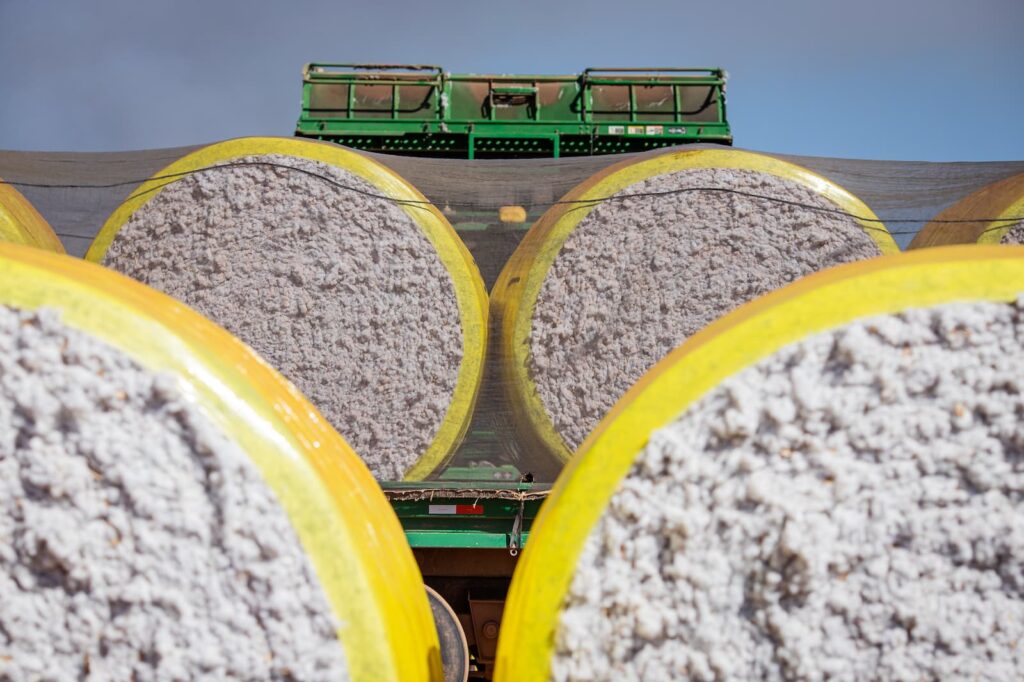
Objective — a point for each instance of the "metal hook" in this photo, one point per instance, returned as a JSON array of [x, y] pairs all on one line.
[[515, 541]]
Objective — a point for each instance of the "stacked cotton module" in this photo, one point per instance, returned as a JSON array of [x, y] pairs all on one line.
[[849, 507], [137, 541], [1015, 235], [642, 273], [993, 214], [658, 260], [332, 282], [21, 223]]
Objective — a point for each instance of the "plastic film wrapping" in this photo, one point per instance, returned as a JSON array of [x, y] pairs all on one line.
[[516, 292], [468, 286], [342, 519], [1001, 204], [817, 303], [20, 222]]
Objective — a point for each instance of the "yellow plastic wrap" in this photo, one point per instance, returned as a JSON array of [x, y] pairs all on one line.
[[515, 292], [342, 518], [20, 222], [469, 288], [999, 202], [814, 304]]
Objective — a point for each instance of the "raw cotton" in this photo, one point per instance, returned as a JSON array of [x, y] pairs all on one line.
[[340, 291], [641, 274], [136, 541], [849, 508], [1015, 235]]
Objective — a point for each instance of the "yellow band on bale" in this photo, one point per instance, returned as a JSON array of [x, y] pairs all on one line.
[[518, 286], [346, 526], [20, 222], [1001, 202], [466, 281], [814, 304]]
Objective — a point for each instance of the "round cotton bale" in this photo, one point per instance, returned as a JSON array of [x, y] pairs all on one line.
[[826, 482], [20, 222], [172, 508], [643, 255], [336, 271], [1001, 207]]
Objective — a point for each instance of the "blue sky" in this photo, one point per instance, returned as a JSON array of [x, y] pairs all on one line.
[[885, 79]]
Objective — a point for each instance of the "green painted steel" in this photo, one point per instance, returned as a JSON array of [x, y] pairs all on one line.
[[467, 522], [421, 110]]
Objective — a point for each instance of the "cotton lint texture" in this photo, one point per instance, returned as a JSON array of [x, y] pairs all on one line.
[[640, 274], [849, 508], [340, 291], [136, 541], [1015, 235]]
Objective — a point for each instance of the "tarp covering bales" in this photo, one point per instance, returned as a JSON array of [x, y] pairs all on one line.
[[78, 192]]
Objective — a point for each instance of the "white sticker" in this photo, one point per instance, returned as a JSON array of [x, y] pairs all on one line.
[[636, 130], [441, 509], [616, 130], [655, 130]]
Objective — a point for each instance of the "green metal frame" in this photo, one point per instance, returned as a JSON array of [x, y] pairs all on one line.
[[421, 110], [492, 522]]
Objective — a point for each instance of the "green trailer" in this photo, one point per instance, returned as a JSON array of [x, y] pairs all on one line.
[[466, 536], [424, 111]]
